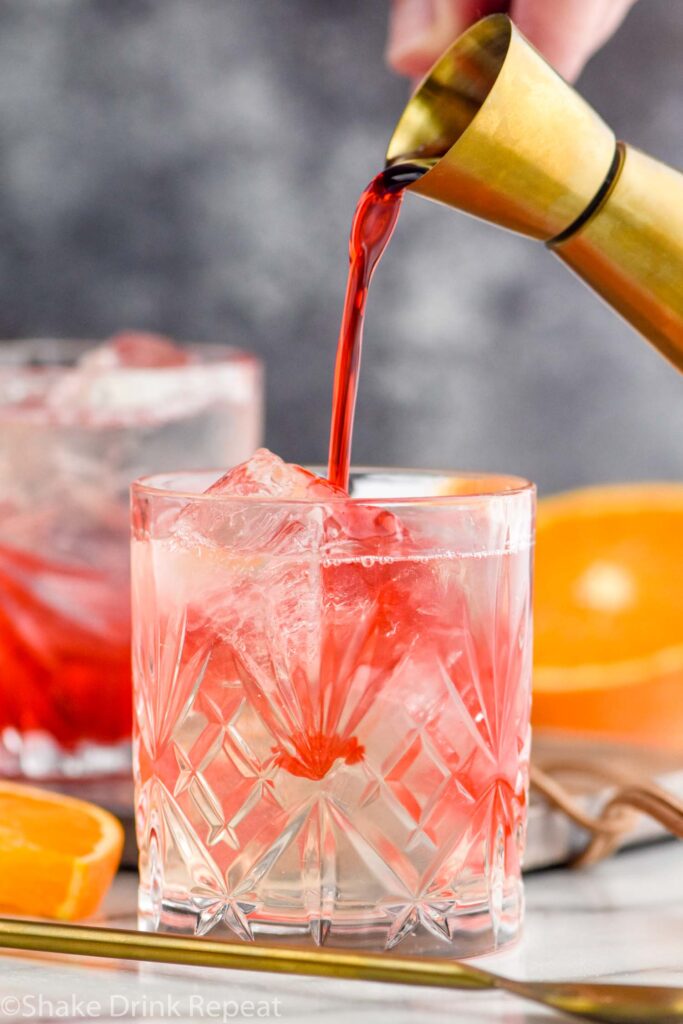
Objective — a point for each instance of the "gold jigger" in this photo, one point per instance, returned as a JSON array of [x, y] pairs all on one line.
[[506, 139]]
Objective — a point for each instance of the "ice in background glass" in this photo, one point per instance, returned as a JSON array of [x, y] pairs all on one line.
[[332, 706], [76, 427]]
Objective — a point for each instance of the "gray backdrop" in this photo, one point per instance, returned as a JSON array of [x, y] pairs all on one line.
[[191, 166]]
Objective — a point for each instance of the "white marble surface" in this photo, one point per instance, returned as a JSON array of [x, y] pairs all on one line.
[[621, 920]]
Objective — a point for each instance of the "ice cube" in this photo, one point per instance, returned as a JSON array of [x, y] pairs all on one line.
[[320, 514], [266, 475], [140, 349], [114, 384], [253, 526]]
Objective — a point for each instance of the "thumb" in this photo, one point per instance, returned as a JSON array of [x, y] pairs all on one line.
[[420, 30]]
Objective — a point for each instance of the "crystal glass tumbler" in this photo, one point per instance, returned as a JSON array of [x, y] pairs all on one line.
[[332, 710], [73, 434]]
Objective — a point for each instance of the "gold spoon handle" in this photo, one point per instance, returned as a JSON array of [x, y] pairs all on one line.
[[119, 944], [613, 1004]]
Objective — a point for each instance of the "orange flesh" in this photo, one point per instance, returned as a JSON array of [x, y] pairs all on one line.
[[58, 856], [609, 587], [609, 614], [41, 824]]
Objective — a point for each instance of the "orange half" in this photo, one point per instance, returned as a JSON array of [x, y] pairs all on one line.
[[58, 855], [609, 613]]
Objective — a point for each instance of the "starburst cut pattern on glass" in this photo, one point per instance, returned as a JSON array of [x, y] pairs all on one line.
[[306, 778]]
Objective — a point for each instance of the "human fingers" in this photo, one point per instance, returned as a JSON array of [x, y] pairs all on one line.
[[420, 30]]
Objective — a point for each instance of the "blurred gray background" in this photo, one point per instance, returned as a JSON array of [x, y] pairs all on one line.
[[191, 166]]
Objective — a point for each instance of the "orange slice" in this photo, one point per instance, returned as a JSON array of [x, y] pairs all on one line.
[[58, 855], [609, 613]]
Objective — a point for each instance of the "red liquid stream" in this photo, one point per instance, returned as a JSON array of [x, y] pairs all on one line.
[[372, 227]]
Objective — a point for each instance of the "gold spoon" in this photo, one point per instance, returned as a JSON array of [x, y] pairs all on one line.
[[614, 1004]]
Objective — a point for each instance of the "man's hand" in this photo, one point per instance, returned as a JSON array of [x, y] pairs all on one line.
[[567, 32]]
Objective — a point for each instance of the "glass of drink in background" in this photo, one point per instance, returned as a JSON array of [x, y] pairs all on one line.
[[77, 425], [332, 705]]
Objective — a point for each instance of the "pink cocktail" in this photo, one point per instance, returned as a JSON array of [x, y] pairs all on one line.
[[332, 705], [77, 424]]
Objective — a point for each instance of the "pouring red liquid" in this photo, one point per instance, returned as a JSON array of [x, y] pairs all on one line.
[[372, 227]]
